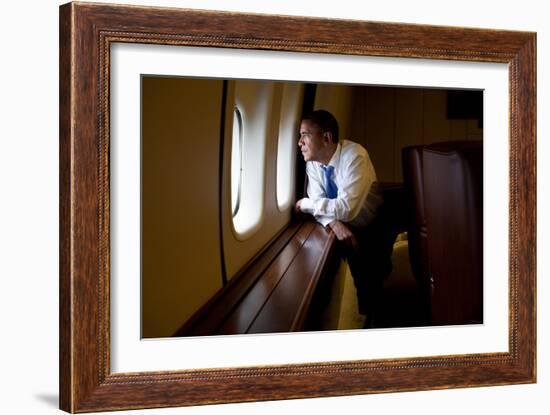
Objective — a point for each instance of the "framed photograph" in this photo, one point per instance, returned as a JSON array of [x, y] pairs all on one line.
[[198, 263]]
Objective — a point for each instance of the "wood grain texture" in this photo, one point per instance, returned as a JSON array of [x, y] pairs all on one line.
[[86, 32], [275, 293], [65, 172], [241, 318], [209, 318]]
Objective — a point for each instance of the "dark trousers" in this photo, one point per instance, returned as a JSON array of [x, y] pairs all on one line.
[[370, 263]]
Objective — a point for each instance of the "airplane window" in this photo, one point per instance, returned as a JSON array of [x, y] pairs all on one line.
[[253, 100], [236, 161], [288, 138]]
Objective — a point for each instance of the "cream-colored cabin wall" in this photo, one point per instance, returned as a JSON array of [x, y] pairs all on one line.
[[386, 119], [254, 101], [181, 262], [338, 100], [287, 143], [238, 250]]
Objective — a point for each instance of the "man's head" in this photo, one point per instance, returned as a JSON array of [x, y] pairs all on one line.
[[318, 136]]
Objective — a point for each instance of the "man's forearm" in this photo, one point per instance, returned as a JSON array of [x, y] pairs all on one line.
[[304, 205]]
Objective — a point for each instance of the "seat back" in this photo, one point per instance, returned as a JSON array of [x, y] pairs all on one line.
[[444, 193], [416, 223], [453, 198]]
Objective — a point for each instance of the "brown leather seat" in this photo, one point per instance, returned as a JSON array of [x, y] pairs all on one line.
[[444, 188], [416, 218], [416, 225]]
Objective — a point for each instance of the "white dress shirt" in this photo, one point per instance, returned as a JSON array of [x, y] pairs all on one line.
[[358, 192]]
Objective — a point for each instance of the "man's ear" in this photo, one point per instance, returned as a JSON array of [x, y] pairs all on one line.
[[327, 136]]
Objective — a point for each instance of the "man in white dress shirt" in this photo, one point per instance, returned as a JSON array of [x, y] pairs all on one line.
[[344, 195]]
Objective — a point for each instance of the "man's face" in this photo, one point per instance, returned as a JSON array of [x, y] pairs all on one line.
[[312, 141]]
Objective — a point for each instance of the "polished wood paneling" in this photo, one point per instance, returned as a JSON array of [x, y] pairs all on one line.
[[379, 117], [474, 130], [387, 119], [208, 319], [273, 294], [409, 124], [458, 129], [436, 125], [296, 286], [243, 316]]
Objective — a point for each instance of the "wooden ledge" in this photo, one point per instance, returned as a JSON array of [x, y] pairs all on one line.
[[276, 292]]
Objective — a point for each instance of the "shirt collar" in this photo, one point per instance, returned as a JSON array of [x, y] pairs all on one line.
[[335, 160]]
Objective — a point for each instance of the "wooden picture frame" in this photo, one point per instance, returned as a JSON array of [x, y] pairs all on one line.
[[86, 33]]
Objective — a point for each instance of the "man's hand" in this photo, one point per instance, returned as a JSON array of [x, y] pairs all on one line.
[[343, 233], [297, 206]]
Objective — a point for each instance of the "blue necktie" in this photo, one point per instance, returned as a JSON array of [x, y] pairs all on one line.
[[330, 187]]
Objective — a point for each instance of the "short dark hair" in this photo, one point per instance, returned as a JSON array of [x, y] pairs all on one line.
[[325, 121]]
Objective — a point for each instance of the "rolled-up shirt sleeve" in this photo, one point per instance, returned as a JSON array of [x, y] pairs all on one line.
[[354, 182]]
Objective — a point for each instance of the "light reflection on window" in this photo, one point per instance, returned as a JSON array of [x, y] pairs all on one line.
[[236, 161]]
